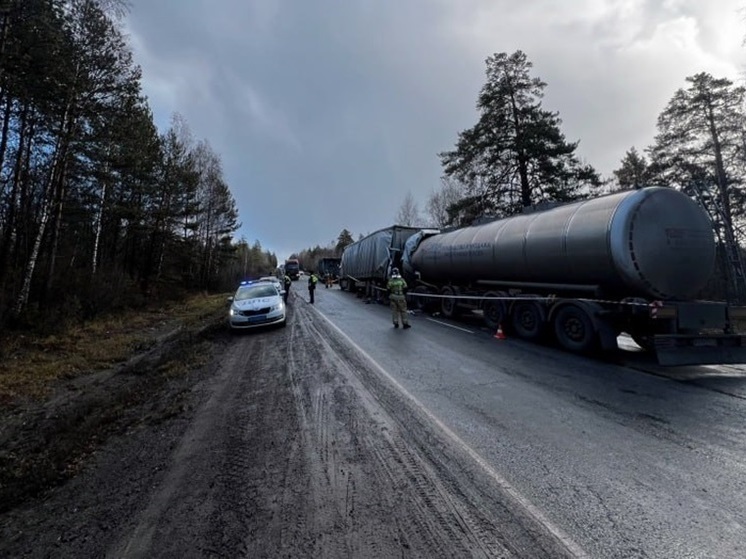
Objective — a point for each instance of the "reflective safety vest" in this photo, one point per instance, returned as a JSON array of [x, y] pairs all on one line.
[[396, 286]]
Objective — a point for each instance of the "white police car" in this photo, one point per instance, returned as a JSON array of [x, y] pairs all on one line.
[[256, 304], [276, 281]]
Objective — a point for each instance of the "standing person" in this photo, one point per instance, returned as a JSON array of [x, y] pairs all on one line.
[[288, 282], [329, 280], [312, 281], [397, 288]]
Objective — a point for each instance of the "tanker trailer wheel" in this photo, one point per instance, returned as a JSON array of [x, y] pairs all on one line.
[[574, 329], [494, 310], [527, 320], [448, 306]]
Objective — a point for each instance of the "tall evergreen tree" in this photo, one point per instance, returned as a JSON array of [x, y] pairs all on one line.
[[634, 171], [700, 143], [93, 199], [516, 155], [700, 149], [344, 239]]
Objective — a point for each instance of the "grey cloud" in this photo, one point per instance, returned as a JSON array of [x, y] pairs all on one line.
[[328, 112]]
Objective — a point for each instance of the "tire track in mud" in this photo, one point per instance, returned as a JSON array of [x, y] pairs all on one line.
[[185, 497], [413, 493], [460, 468], [220, 489], [330, 489], [301, 448]]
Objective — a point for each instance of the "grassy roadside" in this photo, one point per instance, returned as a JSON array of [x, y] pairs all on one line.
[[29, 365], [63, 396]]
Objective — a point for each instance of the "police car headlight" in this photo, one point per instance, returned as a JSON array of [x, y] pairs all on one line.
[[232, 312], [276, 307]]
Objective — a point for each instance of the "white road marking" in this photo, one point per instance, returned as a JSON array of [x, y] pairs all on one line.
[[449, 325], [538, 516]]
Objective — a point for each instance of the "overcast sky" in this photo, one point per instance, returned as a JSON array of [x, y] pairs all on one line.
[[327, 112]]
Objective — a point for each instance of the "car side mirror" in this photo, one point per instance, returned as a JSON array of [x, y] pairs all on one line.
[[230, 299]]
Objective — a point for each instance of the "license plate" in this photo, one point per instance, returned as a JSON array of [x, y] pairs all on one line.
[[257, 318]]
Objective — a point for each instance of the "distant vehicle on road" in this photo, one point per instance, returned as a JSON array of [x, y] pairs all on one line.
[[292, 268], [256, 304]]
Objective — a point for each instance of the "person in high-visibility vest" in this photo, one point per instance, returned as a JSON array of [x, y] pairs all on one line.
[[397, 289], [288, 283], [312, 281]]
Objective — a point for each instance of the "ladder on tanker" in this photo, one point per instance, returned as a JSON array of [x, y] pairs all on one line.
[[727, 243]]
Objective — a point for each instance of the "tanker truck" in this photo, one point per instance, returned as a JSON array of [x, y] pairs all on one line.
[[585, 272], [366, 263]]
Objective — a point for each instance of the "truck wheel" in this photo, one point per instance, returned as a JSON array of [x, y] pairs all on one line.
[[494, 311], [574, 329], [448, 307], [527, 320]]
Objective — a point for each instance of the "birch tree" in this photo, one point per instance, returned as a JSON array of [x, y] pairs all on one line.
[[93, 199], [98, 70], [409, 212], [442, 203]]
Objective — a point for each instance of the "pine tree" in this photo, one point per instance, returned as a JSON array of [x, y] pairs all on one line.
[[634, 171], [700, 143], [344, 239], [700, 149], [515, 156]]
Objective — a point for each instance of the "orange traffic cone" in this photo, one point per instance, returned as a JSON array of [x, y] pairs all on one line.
[[500, 335]]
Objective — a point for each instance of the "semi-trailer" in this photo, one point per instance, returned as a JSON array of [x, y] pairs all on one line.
[[582, 273]]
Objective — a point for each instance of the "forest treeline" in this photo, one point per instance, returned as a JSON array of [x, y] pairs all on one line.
[[101, 210], [98, 209]]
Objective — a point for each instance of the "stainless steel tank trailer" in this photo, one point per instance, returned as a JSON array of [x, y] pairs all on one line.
[[584, 273]]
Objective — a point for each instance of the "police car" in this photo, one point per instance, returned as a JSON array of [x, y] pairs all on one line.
[[276, 281], [256, 304]]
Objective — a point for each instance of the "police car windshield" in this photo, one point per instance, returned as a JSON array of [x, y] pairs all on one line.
[[255, 291]]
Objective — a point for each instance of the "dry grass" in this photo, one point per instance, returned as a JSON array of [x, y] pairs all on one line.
[[29, 365]]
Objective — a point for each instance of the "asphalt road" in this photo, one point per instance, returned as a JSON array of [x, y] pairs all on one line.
[[339, 436], [619, 459]]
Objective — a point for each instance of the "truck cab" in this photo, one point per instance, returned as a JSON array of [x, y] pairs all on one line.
[[292, 268]]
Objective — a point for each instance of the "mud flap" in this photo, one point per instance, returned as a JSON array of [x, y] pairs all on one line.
[[720, 349], [607, 336]]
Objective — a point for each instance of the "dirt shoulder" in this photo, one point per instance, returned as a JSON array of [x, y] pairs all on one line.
[[64, 396]]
